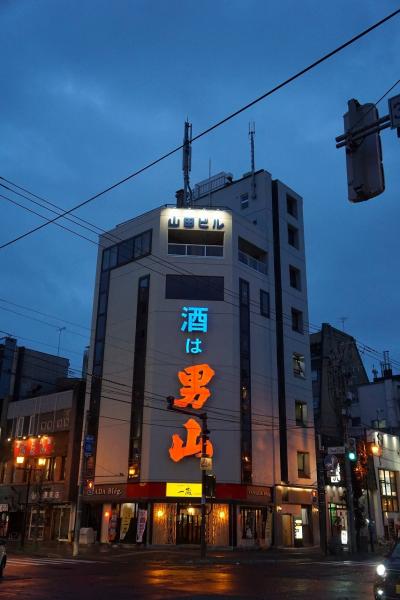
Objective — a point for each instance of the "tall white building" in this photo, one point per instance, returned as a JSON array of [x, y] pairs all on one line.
[[208, 305]]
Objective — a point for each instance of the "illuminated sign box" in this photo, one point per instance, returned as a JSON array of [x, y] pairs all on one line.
[[183, 490]]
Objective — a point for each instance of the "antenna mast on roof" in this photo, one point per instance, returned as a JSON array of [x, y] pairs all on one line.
[[252, 132], [187, 163]]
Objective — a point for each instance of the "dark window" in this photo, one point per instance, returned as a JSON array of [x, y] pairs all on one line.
[[244, 201], [297, 320], [301, 413], [291, 204], [194, 287], [125, 252], [295, 278], [293, 236], [101, 327], [303, 464], [102, 303], [264, 303], [63, 468]]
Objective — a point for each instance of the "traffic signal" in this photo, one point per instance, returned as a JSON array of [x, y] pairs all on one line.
[[210, 485], [352, 449], [365, 176], [89, 486]]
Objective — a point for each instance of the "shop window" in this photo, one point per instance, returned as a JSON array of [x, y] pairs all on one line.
[[303, 464], [299, 369], [388, 488], [253, 522], [301, 413], [63, 468]]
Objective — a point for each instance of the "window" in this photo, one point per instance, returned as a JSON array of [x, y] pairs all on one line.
[[195, 243], [194, 287], [252, 256], [298, 365], [291, 204], [264, 303], [244, 201], [63, 468], [32, 425], [297, 320], [301, 413], [303, 464], [294, 276], [19, 427], [388, 487], [127, 251], [293, 236]]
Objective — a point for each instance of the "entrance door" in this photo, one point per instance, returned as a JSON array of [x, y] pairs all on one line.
[[60, 523], [287, 530], [36, 525], [188, 522]]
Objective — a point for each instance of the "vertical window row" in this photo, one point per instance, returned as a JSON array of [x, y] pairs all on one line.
[[139, 371], [245, 382]]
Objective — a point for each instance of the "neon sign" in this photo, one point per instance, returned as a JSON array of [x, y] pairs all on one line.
[[191, 222], [194, 391]]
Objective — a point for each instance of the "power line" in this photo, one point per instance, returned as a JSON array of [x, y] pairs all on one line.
[[232, 115]]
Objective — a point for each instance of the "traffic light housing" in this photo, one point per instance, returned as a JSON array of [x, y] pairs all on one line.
[[352, 449], [365, 176], [210, 485], [89, 487]]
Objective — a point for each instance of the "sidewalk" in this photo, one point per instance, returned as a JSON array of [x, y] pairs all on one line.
[[178, 554]]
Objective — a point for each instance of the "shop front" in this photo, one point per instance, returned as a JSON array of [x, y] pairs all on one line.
[[296, 517]]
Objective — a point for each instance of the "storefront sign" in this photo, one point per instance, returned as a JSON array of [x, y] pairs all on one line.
[[298, 529], [183, 490], [3, 508], [126, 516], [47, 493], [343, 537], [54, 421], [336, 450], [141, 524], [43, 446], [109, 492], [259, 492], [188, 221]]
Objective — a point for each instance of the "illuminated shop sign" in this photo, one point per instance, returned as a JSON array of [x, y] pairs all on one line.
[[335, 476], [43, 446], [194, 391], [183, 490], [187, 221]]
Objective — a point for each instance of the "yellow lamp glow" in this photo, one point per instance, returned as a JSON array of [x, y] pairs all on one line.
[[41, 462], [222, 514], [20, 460], [190, 510], [106, 514], [160, 513]]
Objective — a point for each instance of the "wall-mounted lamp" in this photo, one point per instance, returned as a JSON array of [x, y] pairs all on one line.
[[160, 513], [106, 514], [190, 510], [278, 508], [222, 514], [20, 460], [41, 462]]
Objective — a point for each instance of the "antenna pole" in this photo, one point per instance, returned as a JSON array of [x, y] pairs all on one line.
[[252, 132], [187, 163]]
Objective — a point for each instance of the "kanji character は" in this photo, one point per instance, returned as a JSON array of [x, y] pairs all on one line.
[[195, 319], [193, 444], [194, 379]]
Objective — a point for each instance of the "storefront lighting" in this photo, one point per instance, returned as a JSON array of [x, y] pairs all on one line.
[[160, 513], [315, 509], [24, 437], [20, 460], [132, 471], [190, 510], [41, 462], [278, 508], [8, 439], [106, 514], [222, 514]]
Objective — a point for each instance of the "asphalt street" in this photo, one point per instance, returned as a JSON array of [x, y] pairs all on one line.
[[135, 577]]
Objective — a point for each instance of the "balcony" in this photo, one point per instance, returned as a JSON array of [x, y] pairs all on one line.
[[196, 250], [253, 263]]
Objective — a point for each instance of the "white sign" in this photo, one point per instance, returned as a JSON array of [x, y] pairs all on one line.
[[336, 450], [336, 476], [343, 537], [394, 110]]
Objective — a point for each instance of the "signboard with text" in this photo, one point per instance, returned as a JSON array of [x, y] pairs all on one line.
[[183, 490]]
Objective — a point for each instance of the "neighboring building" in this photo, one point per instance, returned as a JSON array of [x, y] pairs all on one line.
[[336, 370], [39, 464], [207, 304], [25, 373], [378, 404]]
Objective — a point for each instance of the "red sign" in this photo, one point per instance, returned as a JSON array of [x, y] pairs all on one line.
[[43, 446]]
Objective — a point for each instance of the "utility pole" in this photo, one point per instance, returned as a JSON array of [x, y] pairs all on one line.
[[79, 500], [204, 438]]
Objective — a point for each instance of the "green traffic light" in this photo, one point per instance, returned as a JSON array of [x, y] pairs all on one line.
[[352, 455]]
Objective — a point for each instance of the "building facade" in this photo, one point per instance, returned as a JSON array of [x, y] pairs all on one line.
[[207, 305], [39, 464]]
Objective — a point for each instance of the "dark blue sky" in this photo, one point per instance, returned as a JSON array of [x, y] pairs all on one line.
[[92, 90]]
